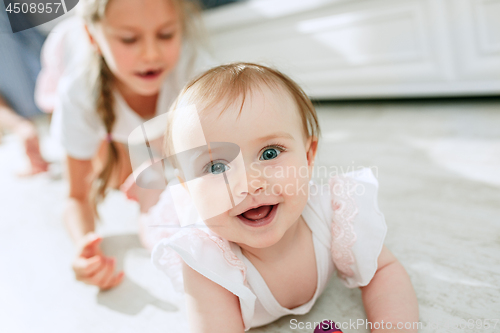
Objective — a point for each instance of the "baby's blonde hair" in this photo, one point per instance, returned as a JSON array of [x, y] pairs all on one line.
[[92, 12], [231, 82]]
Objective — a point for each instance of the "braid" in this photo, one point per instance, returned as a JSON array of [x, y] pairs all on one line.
[[105, 104]]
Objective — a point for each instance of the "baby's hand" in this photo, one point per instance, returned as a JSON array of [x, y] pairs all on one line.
[[92, 267]]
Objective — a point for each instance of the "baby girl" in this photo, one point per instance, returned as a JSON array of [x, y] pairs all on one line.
[[266, 239]]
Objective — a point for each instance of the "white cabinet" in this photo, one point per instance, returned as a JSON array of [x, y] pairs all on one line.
[[367, 48], [476, 38]]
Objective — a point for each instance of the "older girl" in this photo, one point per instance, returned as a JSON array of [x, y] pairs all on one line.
[[143, 54]]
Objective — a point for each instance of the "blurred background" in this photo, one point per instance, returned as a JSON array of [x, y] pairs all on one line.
[[410, 88], [368, 49]]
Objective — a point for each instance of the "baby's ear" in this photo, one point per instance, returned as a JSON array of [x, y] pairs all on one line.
[[311, 149]]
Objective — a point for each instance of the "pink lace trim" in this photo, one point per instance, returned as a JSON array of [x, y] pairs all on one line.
[[343, 236], [173, 262], [229, 255]]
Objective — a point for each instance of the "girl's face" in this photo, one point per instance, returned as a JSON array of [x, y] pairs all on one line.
[[269, 184], [140, 41]]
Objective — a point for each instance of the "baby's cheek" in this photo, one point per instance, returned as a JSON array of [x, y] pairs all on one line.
[[210, 196], [293, 189], [290, 180], [217, 223], [226, 227], [296, 189], [297, 192]]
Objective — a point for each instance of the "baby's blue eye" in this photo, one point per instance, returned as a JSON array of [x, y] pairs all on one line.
[[218, 168], [269, 154]]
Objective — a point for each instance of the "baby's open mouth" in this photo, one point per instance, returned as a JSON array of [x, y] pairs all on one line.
[[259, 216]]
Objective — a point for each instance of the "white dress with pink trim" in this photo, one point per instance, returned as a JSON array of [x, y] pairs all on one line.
[[348, 234]]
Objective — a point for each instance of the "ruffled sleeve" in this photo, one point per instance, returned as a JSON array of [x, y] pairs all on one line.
[[174, 210], [358, 227], [67, 47], [160, 222], [210, 256]]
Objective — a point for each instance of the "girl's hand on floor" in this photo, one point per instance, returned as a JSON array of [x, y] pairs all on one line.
[[92, 267]]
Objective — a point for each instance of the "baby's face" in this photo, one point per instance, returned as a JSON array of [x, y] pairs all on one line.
[[266, 178]]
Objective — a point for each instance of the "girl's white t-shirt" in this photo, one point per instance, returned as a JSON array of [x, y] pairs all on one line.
[[348, 232], [75, 122]]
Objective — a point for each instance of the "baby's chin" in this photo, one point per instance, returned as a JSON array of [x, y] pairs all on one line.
[[258, 244], [261, 241]]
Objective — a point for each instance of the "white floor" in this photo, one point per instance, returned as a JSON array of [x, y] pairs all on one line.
[[438, 166]]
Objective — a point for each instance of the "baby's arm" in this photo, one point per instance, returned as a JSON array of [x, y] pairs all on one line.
[[211, 308], [390, 296]]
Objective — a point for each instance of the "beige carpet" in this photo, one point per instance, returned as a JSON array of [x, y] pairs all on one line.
[[438, 165]]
